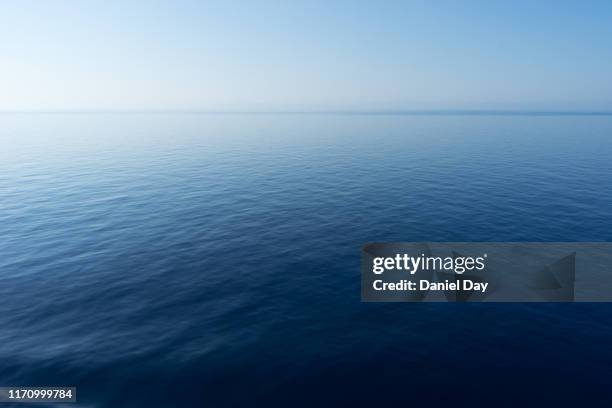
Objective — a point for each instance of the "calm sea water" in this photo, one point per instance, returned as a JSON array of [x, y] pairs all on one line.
[[213, 260]]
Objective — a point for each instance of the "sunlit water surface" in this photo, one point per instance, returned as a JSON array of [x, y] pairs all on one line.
[[213, 260]]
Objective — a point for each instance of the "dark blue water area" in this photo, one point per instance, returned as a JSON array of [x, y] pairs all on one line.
[[199, 260]]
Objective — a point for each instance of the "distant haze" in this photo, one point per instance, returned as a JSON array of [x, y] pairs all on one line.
[[305, 55]]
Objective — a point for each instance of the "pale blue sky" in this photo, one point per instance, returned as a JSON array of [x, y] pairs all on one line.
[[288, 55]]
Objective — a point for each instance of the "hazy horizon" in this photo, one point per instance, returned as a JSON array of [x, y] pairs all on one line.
[[433, 111], [305, 56]]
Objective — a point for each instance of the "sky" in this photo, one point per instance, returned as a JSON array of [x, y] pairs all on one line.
[[178, 55]]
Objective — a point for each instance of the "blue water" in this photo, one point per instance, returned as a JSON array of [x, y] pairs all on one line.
[[199, 260]]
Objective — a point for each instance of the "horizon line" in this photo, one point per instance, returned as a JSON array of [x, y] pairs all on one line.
[[398, 112]]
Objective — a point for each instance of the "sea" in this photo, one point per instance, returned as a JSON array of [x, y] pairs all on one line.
[[213, 259]]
